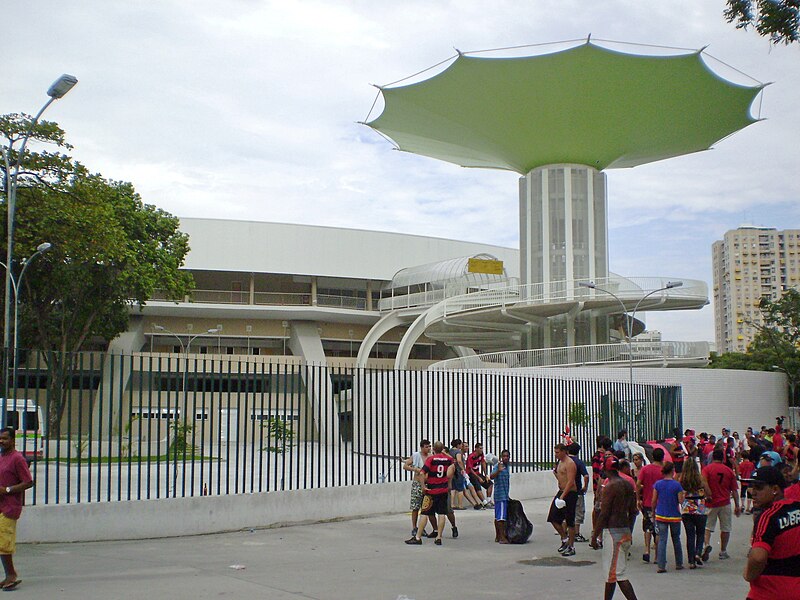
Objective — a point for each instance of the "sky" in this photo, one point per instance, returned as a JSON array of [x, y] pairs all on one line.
[[250, 109]]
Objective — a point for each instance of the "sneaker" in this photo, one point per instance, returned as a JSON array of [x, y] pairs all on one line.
[[580, 538], [432, 535], [724, 555], [698, 561], [570, 551], [414, 541], [563, 547], [706, 554], [679, 568], [438, 541], [490, 504], [646, 558], [477, 507], [455, 532]]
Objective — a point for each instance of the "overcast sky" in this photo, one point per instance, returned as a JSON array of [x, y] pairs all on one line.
[[249, 109]]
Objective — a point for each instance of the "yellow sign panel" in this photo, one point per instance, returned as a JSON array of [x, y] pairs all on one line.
[[490, 267]]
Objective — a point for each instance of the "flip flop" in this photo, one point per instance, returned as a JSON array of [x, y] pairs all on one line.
[[9, 587]]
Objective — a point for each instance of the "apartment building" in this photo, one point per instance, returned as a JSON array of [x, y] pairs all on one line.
[[750, 263]]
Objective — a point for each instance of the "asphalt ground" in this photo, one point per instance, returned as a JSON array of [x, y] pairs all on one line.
[[361, 559]]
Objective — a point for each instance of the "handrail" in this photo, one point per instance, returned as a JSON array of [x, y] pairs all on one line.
[[643, 353]]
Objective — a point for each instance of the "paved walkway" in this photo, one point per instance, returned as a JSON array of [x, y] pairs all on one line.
[[359, 559]]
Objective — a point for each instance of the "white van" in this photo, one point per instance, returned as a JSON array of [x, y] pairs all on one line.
[[26, 417]]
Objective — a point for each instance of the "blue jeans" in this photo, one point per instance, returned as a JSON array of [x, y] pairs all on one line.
[[674, 529], [695, 526]]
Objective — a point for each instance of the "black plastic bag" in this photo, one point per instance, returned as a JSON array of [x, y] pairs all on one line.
[[518, 527]]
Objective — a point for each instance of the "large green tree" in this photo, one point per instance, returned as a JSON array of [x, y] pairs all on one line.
[[776, 346], [110, 252], [777, 19]]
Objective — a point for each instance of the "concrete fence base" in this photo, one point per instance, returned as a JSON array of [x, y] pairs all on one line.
[[172, 517]]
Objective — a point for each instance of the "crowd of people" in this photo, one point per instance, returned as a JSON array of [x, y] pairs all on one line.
[[691, 484], [701, 482]]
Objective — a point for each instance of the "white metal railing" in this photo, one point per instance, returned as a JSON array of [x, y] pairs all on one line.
[[644, 353], [266, 298], [352, 302], [282, 298], [628, 290]]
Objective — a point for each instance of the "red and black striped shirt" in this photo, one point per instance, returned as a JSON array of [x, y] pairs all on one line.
[[436, 467], [778, 532]]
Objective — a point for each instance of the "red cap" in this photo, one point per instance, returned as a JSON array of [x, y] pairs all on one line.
[[611, 464]]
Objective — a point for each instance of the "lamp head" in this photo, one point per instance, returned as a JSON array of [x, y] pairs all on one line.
[[213, 330], [61, 86], [587, 284], [44, 247], [673, 284], [159, 327]]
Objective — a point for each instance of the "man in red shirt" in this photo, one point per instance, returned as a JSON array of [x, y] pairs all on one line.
[[438, 471], [722, 481], [648, 475], [476, 471], [772, 561], [15, 478]]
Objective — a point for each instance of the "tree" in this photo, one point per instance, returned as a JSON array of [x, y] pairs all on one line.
[[778, 19], [110, 252], [776, 346]]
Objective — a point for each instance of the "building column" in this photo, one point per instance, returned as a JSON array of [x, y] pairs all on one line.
[[313, 290]]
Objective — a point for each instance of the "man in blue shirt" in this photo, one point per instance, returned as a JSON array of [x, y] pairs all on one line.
[[501, 477]]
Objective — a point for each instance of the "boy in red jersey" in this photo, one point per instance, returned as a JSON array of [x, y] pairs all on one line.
[[438, 471], [722, 481], [772, 561], [746, 468]]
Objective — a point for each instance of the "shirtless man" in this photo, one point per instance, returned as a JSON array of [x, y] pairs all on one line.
[[563, 506]]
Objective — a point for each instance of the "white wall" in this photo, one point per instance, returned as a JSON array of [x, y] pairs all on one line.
[[712, 398], [171, 517]]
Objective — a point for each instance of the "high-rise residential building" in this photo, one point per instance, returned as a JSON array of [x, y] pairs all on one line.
[[750, 263]]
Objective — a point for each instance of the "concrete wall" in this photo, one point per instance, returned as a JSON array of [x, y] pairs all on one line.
[[213, 514], [712, 398]]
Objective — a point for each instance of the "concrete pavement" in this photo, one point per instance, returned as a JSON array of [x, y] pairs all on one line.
[[359, 559]]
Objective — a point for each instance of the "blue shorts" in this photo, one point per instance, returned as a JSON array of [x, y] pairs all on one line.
[[459, 484], [501, 510]]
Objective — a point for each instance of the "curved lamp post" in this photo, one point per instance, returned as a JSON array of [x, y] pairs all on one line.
[[56, 91], [16, 284], [629, 317], [184, 350]]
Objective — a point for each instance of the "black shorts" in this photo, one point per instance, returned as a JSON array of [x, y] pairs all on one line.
[[678, 464], [743, 491], [435, 504], [647, 520], [559, 515], [478, 482]]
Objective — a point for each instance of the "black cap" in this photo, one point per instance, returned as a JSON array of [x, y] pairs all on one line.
[[768, 475]]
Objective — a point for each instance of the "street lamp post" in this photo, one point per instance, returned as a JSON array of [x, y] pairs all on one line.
[[16, 284], [629, 317], [57, 90]]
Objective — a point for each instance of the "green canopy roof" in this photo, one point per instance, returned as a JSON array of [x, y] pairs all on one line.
[[586, 105]]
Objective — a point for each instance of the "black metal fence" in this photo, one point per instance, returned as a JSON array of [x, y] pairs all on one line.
[[132, 427]]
